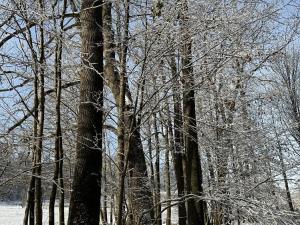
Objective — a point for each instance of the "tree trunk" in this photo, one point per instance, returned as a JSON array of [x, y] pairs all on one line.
[[40, 131], [104, 219], [122, 132], [59, 140], [29, 210], [178, 151], [167, 176], [85, 197], [286, 183], [54, 189], [195, 207], [58, 133], [149, 142], [139, 187], [157, 173]]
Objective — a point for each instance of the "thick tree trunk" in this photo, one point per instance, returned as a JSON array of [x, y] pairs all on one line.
[[85, 197], [139, 186], [195, 207]]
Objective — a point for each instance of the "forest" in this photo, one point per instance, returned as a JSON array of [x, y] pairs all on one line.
[[150, 112]]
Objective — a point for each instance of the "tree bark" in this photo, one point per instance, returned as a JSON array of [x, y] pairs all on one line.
[[59, 140], [195, 207], [85, 197], [178, 151]]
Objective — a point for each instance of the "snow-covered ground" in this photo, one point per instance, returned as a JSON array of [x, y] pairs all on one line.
[[12, 214]]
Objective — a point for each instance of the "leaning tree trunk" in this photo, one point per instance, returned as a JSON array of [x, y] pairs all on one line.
[[85, 197], [195, 207], [141, 198], [286, 183], [285, 178]]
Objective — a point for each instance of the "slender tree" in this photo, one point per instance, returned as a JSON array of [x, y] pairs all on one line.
[[178, 151], [58, 170]]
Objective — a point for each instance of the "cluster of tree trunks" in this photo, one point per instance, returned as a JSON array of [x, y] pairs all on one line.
[[138, 200], [131, 159]]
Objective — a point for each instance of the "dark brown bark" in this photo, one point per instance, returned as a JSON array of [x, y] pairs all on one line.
[[195, 207], [59, 141], [40, 130], [85, 197], [178, 151]]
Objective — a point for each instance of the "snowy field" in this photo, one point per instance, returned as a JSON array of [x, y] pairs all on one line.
[[13, 214]]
